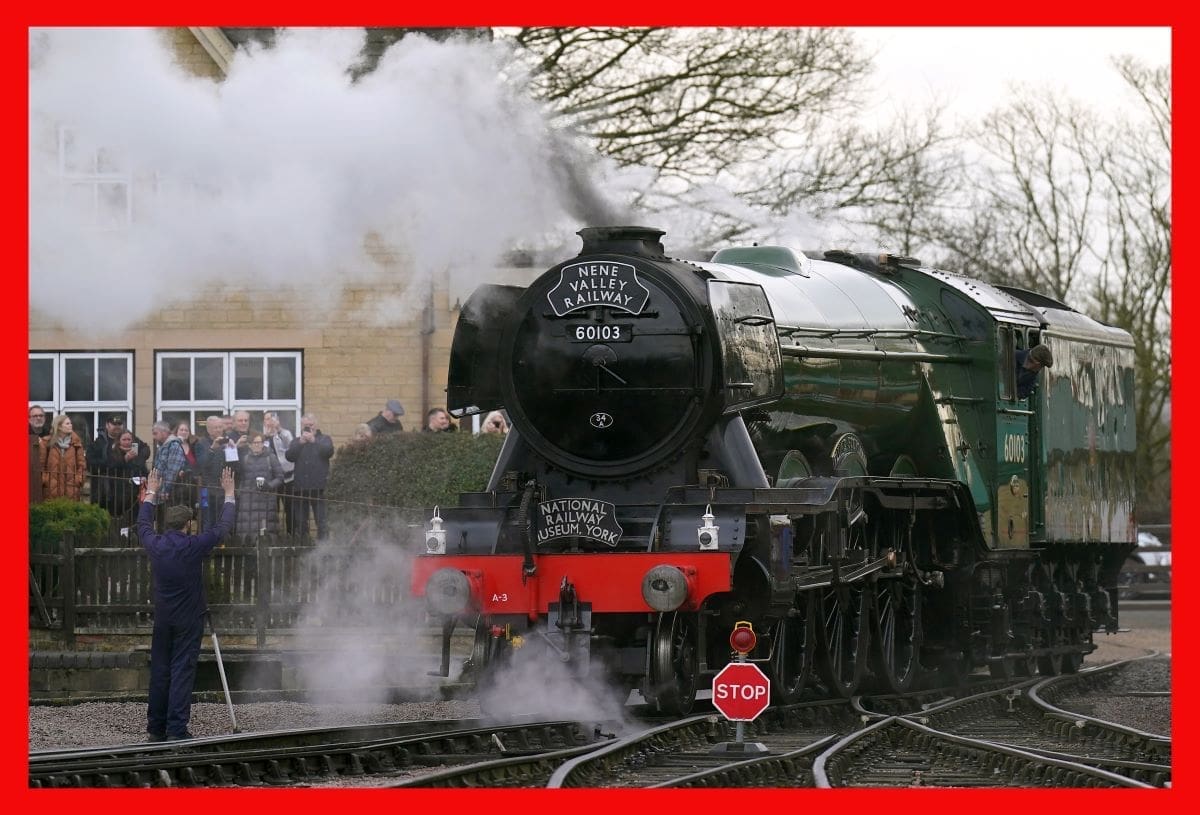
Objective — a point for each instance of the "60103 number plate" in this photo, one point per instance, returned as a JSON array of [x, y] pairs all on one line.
[[600, 333]]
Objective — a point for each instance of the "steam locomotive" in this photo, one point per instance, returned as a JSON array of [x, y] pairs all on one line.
[[832, 449]]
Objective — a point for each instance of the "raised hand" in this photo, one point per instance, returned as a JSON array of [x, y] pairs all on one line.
[[153, 481], [227, 482]]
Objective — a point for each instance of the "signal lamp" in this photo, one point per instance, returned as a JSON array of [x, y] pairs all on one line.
[[706, 533]]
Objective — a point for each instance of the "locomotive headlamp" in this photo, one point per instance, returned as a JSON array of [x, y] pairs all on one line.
[[664, 588], [707, 533], [435, 536], [448, 592]]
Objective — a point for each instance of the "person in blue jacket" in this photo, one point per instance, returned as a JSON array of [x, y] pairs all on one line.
[[179, 605]]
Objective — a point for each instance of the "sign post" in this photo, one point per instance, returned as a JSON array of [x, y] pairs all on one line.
[[740, 691]]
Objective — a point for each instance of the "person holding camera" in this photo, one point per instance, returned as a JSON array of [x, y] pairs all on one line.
[[118, 491], [258, 497], [310, 452], [102, 475], [278, 438], [221, 452], [494, 423]]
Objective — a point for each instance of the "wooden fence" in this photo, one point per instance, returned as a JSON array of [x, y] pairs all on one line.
[[254, 585]]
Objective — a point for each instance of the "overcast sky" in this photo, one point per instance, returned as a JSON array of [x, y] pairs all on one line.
[[971, 68]]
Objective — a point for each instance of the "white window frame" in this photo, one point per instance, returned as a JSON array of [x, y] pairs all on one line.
[[227, 403], [93, 177], [95, 406]]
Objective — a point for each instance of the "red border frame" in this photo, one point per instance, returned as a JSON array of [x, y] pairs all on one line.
[[623, 12]]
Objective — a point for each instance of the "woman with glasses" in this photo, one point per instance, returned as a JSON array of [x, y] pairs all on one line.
[[258, 496]]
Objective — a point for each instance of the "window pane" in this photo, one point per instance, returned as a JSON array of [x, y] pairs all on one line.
[[76, 159], [210, 378], [41, 380], [256, 420], [81, 380], [81, 425], [81, 197], [281, 378], [289, 419], [112, 201], [176, 375], [174, 417], [114, 380], [248, 379]]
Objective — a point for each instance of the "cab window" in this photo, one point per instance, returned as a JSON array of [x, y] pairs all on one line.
[[1006, 363]]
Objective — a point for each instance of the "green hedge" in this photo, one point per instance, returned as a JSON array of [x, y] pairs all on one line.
[[48, 521], [408, 474]]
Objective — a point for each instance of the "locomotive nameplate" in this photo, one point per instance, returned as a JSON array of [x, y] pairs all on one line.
[[600, 332], [598, 283], [578, 518]]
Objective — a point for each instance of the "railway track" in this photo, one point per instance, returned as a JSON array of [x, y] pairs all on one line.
[[297, 757], [990, 734], [1007, 737]]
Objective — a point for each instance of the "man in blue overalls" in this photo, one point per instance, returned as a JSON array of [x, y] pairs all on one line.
[[179, 605]]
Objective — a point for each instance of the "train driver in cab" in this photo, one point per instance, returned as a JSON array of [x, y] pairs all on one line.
[[1029, 364]]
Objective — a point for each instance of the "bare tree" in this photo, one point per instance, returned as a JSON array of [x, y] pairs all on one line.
[[736, 126], [690, 102], [1066, 203], [1029, 211], [894, 179], [1133, 289]]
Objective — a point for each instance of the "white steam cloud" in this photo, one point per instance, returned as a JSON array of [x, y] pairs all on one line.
[[275, 175]]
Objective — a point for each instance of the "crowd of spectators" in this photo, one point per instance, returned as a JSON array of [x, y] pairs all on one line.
[[280, 477]]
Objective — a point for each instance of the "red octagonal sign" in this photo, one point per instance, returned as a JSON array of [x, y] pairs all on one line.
[[741, 691]]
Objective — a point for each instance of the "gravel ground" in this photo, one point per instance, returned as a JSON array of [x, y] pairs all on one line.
[[97, 724]]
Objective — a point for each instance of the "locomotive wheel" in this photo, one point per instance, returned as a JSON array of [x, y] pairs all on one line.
[[843, 631], [674, 663], [1024, 666], [1004, 669], [847, 457], [896, 635], [474, 665], [791, 661], [1050, 664], [902, 466]]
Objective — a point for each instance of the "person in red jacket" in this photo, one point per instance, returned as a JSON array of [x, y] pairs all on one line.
[[179, 605]]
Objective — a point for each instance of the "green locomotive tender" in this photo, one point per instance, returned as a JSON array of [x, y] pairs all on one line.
[[834, 449]]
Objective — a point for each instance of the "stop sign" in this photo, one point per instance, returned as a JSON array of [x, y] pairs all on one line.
[[741, 691]]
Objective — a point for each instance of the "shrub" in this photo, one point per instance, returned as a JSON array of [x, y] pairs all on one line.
[[48, 521], [404, 475]]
